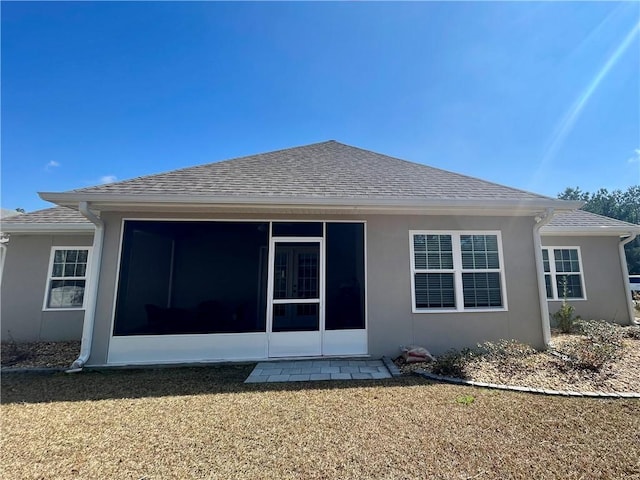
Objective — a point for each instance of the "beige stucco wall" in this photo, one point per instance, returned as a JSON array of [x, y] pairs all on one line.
[[23, 288], [603, 278], [390, 320]]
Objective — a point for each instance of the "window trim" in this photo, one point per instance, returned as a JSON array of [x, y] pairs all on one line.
[[458, 271], [552, 273], [45, 307]]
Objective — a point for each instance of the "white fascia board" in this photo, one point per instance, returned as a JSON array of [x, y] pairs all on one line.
[[474, 206], [592, 231], [35, 228]]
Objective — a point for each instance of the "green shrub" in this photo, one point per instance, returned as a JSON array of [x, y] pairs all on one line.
[[565, 317], [452, 363]]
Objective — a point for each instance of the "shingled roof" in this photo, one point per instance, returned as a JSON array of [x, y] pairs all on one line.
[[321, 170], [580, 221], [48, 219]]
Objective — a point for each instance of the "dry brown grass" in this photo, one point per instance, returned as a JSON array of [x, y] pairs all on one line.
[[204, 423]]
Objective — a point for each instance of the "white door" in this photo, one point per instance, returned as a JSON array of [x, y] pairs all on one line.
[[295, 311]]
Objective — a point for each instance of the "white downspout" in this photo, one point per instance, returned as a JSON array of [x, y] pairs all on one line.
[[625, 277], [92, 289], [541, 221]]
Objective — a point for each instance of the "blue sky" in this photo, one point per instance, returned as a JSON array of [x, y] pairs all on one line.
[[536, 95]]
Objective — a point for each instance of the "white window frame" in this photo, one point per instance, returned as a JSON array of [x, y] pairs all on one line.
[[45, 303], [552, 273], [457, 272]]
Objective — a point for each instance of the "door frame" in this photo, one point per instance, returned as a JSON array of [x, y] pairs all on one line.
[[295, 343]]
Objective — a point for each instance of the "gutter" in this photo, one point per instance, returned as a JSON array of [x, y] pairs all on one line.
[[625, 276], [92, 291], [70, 199], [541, 221], [47, 228]]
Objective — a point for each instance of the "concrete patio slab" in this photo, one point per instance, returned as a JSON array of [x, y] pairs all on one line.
[[314, 370]]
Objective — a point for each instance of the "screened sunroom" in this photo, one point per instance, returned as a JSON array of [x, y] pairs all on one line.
[[213, 290]]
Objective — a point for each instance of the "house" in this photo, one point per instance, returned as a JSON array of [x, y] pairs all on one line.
[[319, 250]]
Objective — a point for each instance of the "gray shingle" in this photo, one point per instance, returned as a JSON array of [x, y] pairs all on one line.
[[61, 215], [322, 170], [583, 219]]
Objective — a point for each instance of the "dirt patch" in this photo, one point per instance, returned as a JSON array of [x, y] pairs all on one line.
[[545, 370], [39, 354]]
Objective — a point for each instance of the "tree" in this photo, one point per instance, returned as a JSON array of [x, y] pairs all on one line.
[[618, 204]]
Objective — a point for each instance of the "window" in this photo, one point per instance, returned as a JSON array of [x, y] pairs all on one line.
[[456, 271], [67, 278], [563, 273]]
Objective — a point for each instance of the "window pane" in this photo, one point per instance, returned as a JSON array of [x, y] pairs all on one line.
[[420, 260], [69, 263], [547, 282], [545, 261], [566, 260], [481, 289], [66, 293], [345, 306], [58, 269], [569, 286], [432, 252], [434, 290], [479, 251], [297, 229]]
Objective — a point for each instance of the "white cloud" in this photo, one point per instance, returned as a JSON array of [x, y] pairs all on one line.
[[51, 164], [636, 156], [108, 179]]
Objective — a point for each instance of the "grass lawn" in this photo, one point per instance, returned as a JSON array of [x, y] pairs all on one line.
[[205, 423]]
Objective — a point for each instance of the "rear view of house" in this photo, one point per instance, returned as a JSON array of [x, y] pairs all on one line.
[[320, 250]]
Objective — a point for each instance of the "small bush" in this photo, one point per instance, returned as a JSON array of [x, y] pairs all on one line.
[[452, 363], [565, 317], [504, 350], [599, 331], [603, 344], [587, 355]]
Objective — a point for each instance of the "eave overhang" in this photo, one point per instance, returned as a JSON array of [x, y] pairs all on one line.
[[459, 206], [46, 228], [594, 231]]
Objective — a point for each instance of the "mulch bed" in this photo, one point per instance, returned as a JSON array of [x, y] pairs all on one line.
[[544, 370], [39, 354]]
